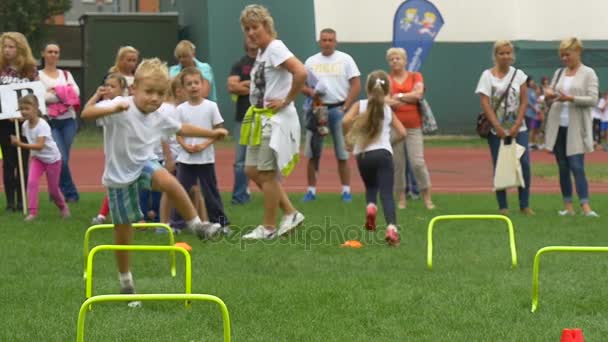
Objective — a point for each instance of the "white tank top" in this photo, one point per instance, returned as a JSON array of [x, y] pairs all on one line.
[[384, 139]]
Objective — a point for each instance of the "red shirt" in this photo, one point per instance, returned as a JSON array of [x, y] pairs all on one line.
[[407, 113]]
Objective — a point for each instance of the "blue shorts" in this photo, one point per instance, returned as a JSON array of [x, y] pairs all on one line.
[[124, 201]]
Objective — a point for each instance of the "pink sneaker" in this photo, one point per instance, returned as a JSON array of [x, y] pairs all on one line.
[[370, 218], [392, 236], [65, 212]]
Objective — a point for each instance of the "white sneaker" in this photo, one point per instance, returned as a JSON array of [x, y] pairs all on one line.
[[592, 214], [98, 219], [260, 233], [289, 222], [206, 230]]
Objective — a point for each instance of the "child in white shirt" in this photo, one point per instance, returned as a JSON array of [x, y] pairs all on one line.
[[196, 159], [132, 128], [45, 154]]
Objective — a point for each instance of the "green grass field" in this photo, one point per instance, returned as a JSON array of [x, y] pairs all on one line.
[[306, 288]]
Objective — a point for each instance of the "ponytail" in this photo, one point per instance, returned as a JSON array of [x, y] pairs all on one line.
[[368, 126]]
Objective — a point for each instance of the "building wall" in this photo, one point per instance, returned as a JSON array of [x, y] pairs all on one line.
[[462, 51]]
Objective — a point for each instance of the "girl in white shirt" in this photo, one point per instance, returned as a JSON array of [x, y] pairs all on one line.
[[367, 126], [45, 156]]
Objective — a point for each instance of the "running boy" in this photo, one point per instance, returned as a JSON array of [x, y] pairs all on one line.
[[132, 128]]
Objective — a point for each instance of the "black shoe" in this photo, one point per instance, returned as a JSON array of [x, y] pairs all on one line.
[[10, 208]]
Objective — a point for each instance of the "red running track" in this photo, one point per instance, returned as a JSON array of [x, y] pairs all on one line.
[[453, 170]]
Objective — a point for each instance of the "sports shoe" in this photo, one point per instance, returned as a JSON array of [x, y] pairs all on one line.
[[347, 197], [205, 230], [591, 214], [130, 290], [566, 213], [370, 217], [98, 220], [29, 218], [289, 222], [309, 197], [392, 236], [260, 233], [65, 212]]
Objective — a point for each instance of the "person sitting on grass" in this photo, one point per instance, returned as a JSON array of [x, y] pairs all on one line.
[[367, 125], [133, 127]]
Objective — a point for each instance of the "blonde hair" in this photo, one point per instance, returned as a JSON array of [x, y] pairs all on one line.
[[122, 81], [24, 61], [368, 126], [30, 100], [184, 46], [258, 14], [396, 51], [572, 44], [176, 83], [500, 44], [120, 55], [152, 68]]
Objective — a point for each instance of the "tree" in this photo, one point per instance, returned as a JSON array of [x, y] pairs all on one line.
[[28, 16]]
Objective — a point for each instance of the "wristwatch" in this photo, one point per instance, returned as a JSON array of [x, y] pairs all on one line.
[[400, 96]]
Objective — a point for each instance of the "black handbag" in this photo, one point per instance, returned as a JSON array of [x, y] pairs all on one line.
[[484, 126]]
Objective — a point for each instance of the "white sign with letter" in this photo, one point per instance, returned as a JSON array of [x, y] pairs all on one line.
[[11, 93]]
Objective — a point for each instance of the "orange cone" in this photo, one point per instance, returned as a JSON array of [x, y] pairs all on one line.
[[184, 246], [572, 335], [352, 244]]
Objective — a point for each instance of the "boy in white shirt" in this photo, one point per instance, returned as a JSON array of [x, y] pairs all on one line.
[[133, 128], [196, 159]]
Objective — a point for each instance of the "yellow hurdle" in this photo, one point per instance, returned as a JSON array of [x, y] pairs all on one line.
[[429, 255], [151, 297], [87, 237], [95, 250], [554, 249]]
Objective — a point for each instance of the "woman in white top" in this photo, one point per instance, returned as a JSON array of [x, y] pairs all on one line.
[[506, 116], [63, 125], [569, 123], [367, 126], [125, 64], [276, 79]]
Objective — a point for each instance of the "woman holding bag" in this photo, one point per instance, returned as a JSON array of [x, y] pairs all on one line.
[[62, 96], [569, 131], [504, 97]]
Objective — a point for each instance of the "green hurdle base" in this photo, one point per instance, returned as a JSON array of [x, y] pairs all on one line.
[[151, 297], [87, 237], [429, 256], [556, 249], [136, 248]]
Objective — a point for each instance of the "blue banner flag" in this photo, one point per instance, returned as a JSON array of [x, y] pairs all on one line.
[[415, 27]]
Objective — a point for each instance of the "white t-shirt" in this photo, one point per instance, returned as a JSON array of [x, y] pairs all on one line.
[[596, 111], [170, 110], [384, 139], [129, 140], [564, 115], [51, 83], [50, 152], [494, 87], [269, 81], [604, 116], [205, 115], [335, 71]]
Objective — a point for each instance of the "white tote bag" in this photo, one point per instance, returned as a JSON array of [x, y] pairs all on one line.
[[508, 172]]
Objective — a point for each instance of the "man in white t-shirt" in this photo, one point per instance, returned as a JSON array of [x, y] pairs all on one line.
[[341, 78]]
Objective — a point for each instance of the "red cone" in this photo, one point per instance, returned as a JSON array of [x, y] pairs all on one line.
[[572, 335]]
